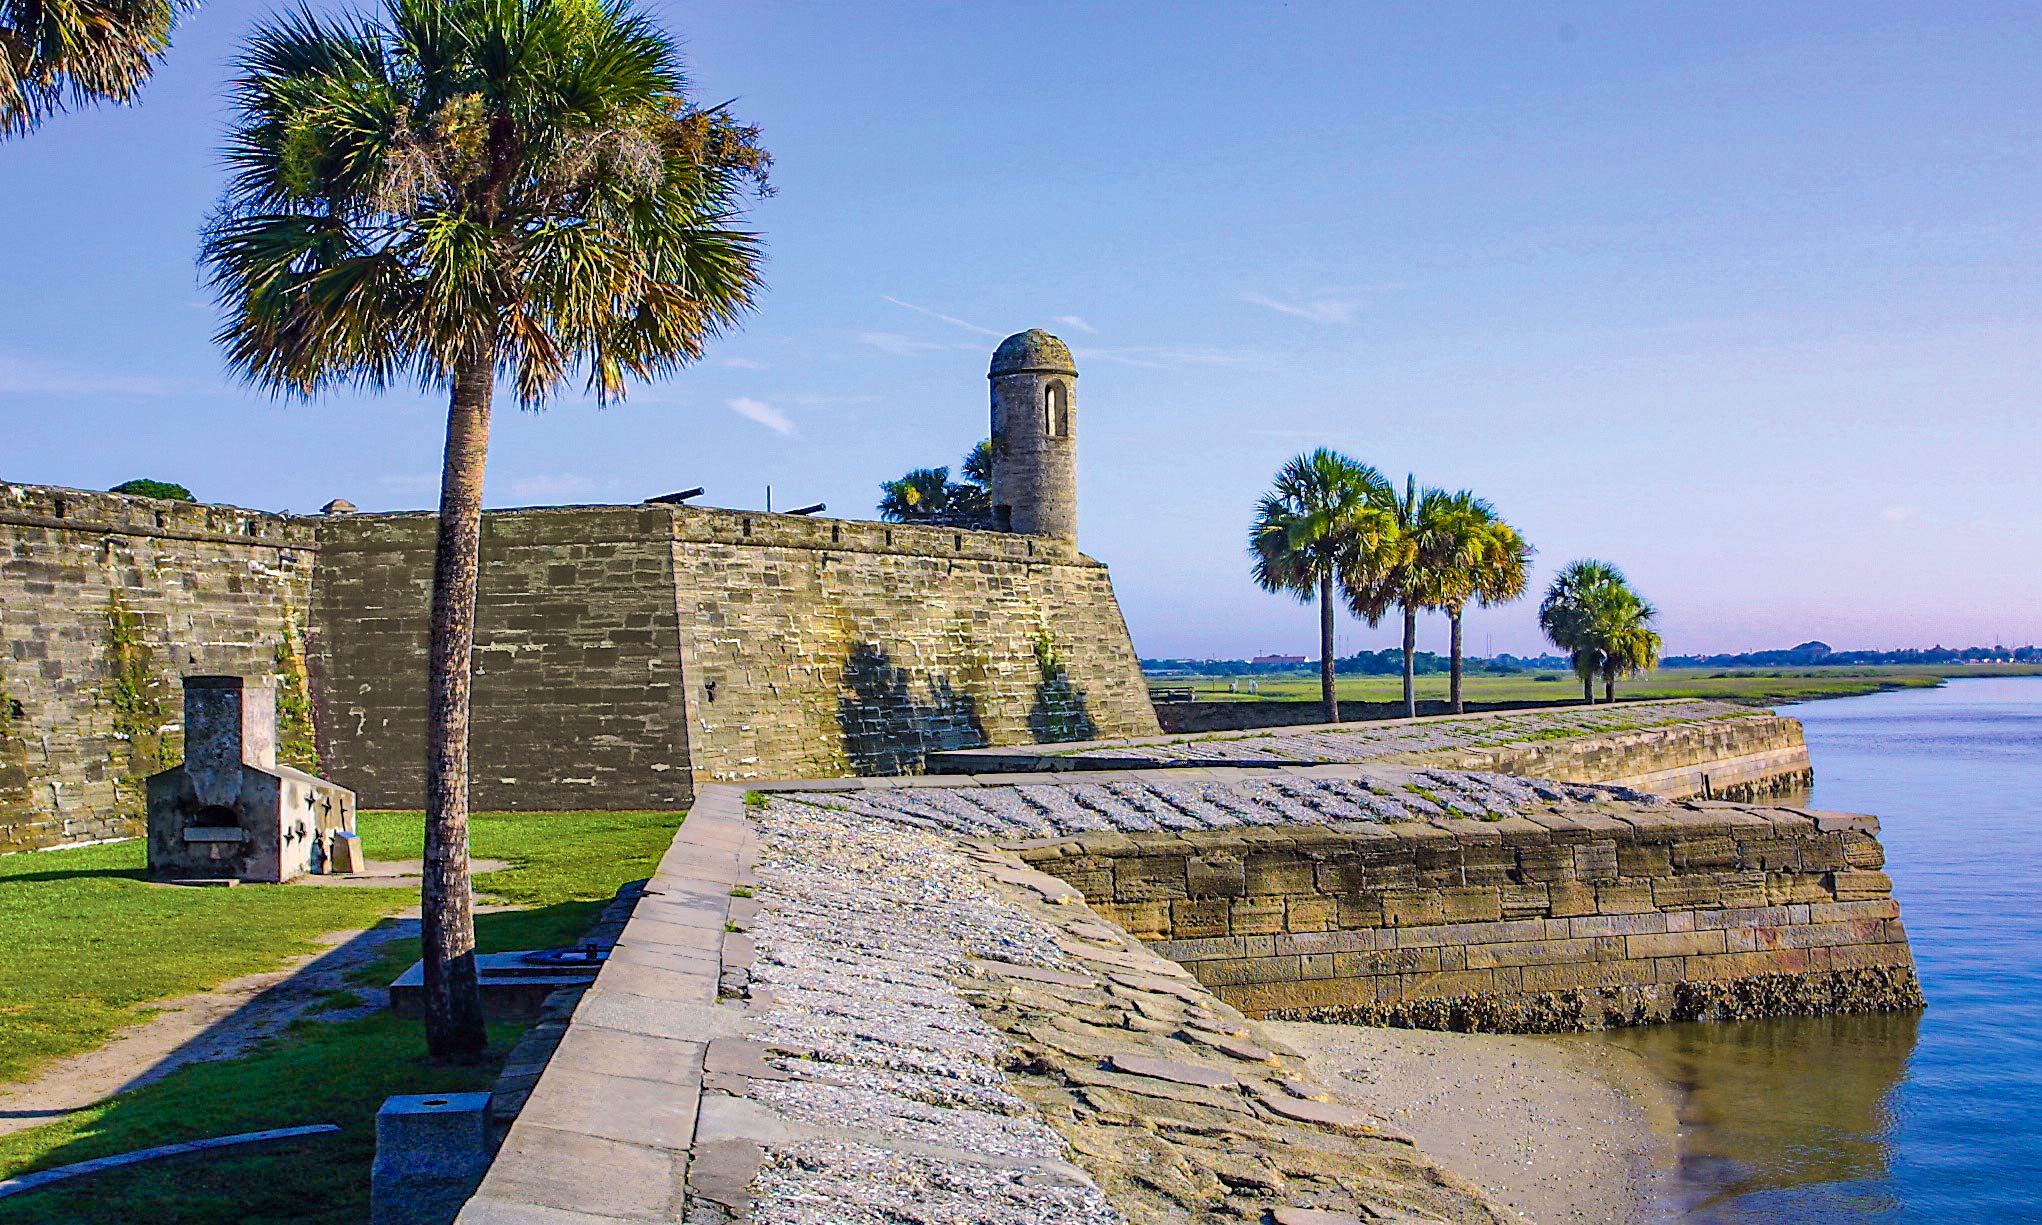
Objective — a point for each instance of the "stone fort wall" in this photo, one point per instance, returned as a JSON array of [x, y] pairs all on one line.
[[105, 601], [621, 651]]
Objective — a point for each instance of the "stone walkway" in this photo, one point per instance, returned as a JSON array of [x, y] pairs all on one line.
[[1015, 1060], [1144, 801]]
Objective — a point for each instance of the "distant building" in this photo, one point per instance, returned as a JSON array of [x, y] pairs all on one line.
[[1278, 659]]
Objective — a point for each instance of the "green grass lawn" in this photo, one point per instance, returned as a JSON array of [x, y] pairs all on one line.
[[91, 944], [1759, 686]]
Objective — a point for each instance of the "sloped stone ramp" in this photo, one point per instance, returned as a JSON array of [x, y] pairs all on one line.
[[854, 1002], [819, 1018]]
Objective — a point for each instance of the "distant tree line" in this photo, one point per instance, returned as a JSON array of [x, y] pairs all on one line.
[[1809, 654], [1386, 662]]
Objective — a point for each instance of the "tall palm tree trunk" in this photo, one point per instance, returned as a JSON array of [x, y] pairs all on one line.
[[1453, 619], [1327, 693], [1410, 661], [453, 997], [1587, 683]]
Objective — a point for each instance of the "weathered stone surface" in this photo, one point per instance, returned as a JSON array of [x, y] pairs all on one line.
[[107, 601], [930, 1028], [621, 652], [1611, 897], [1171, 1070]]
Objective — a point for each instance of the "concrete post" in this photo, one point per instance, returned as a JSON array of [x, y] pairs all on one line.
[[431, 1153]]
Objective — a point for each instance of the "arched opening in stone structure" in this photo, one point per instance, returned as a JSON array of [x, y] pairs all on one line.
[[1056, 411]]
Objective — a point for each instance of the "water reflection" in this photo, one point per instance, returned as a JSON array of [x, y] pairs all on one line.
[[1770, 1106]]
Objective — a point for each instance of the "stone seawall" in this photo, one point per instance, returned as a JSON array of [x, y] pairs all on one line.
[[1529, 923], [1677, 748], [923, 999], [1753, 757], [105, 602]]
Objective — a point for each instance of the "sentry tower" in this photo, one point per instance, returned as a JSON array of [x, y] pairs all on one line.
[[1035, 436]]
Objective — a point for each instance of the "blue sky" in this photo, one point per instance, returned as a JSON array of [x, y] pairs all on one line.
[[1741, 297]]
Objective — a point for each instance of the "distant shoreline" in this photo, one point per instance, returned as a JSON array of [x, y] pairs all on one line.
[[1769, 686]]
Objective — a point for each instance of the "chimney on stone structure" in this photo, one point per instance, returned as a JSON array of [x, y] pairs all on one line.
[[1035, 436], [229, 722]]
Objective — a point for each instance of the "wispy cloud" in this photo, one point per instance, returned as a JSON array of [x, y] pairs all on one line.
[[1163, 357], [761, 412], [952, 320], [1319, 308], [28, 378], [741, 363], [899, 345], [1078, 324]]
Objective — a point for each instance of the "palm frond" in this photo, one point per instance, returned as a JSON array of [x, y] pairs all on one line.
[[525, 179]]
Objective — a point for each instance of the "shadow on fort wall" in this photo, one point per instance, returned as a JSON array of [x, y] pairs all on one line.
[[1062, 711], [887, 729]]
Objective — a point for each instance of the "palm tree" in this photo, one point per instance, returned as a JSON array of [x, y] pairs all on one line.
[[1466, 553], [1624, 635], [450, 192], [1591, 613], [922, 496], [1397, 577], [928, 495], [1316, 528], [57, 54]]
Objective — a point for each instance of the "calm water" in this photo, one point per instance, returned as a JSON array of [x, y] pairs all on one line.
[[1929, 1117]]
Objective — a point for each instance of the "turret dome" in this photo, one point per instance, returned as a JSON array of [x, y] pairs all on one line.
[[1032, 351]]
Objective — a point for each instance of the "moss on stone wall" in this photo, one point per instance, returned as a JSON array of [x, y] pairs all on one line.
[[297, 743], [1061, 711], [135, 699]]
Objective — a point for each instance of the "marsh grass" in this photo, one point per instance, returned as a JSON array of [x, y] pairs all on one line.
[[1755, 686]]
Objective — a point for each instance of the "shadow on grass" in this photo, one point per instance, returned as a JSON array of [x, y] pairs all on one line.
[[334, 1065], [141, 874], [320, 1072], [314, 1071]]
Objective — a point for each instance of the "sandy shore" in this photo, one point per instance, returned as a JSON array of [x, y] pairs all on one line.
[[1563, 1131]]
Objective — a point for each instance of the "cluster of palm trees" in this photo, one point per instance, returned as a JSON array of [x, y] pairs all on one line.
[[1591, 613], [453, 194], [1334, 529]]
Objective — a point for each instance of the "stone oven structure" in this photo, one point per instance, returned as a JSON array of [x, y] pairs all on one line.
[[229, 811]]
